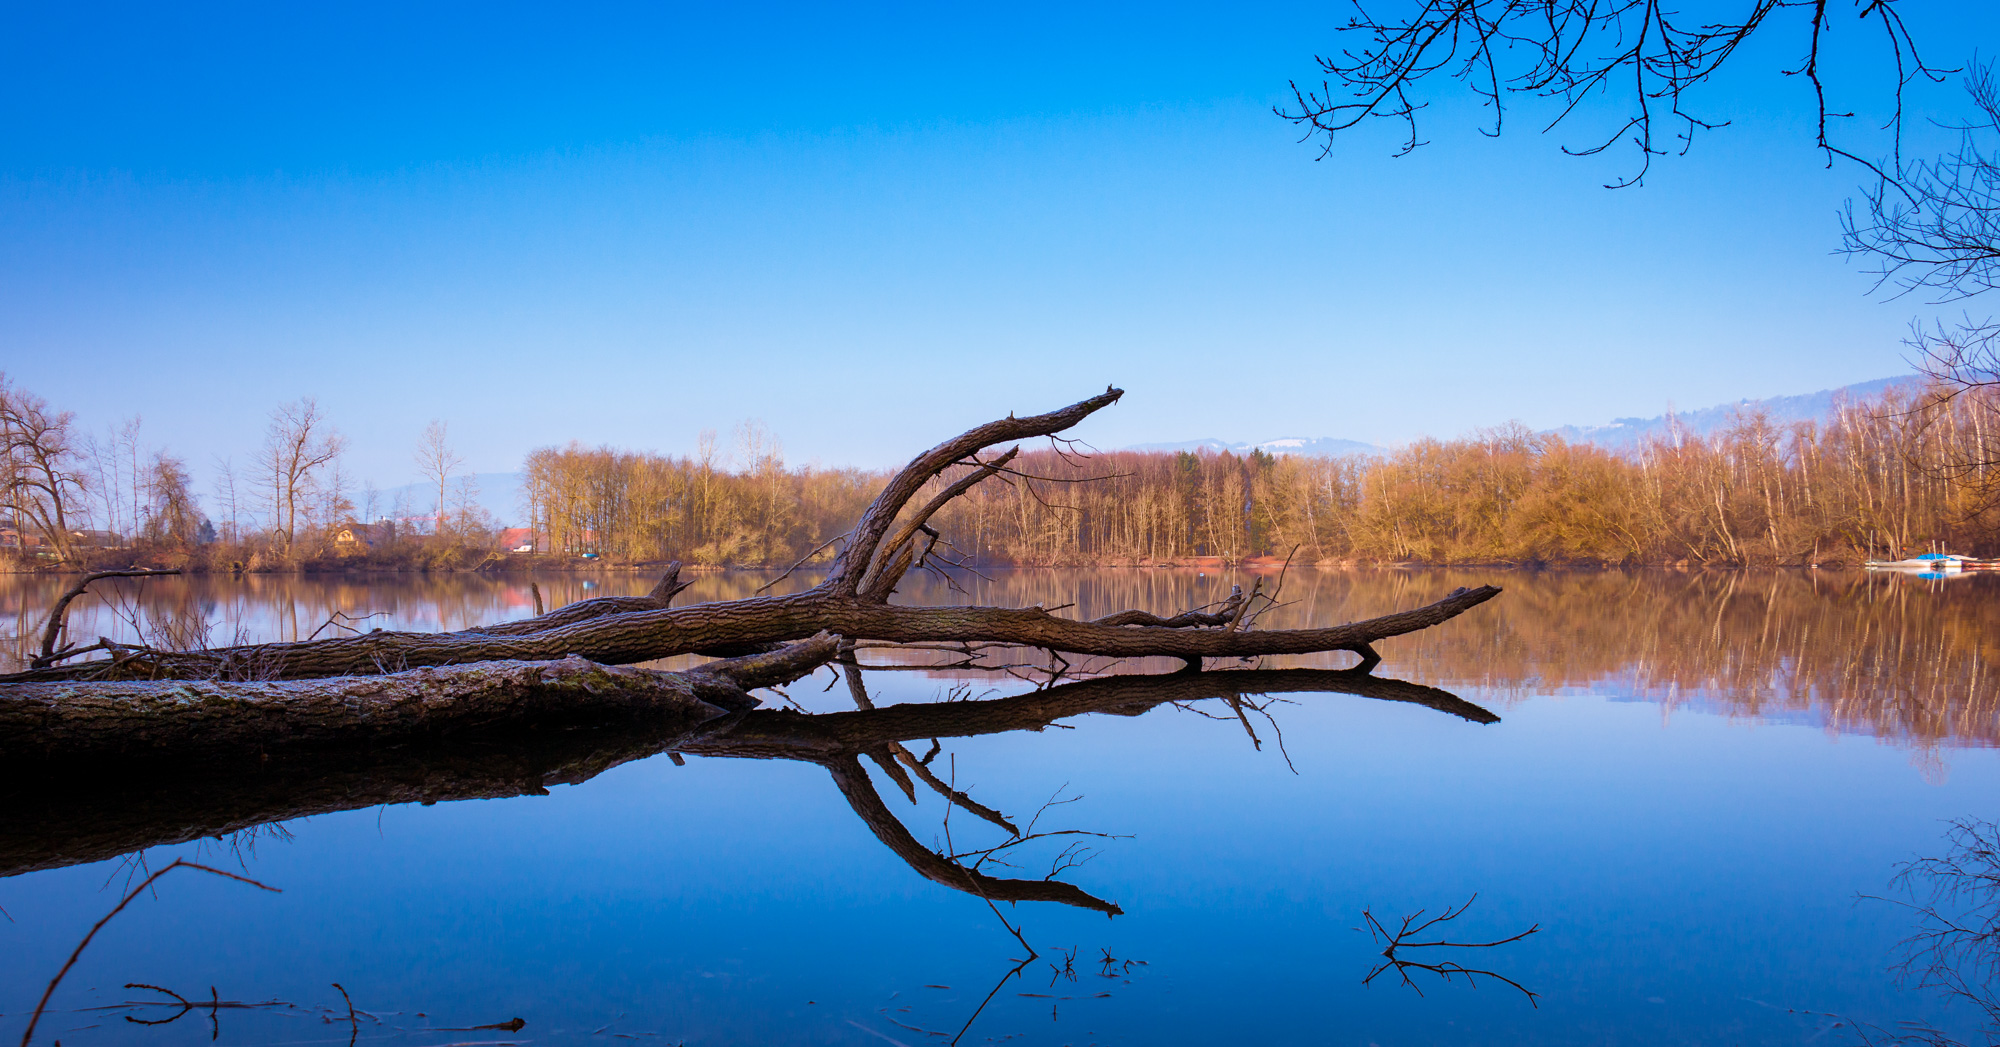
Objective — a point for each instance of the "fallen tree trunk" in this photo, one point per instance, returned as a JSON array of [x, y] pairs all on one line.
[[41, 722], [561, 663], [638, 636]]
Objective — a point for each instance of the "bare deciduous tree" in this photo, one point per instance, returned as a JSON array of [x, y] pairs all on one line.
[[227, 498], [39, 469], [172, 515], [469, 518], [438, 463], [299, 442], [334, 505], [1645, 55]]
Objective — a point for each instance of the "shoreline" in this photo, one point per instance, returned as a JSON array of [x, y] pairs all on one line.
[[1255, 565]]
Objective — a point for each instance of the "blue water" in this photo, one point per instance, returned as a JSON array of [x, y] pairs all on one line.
[[1696, 877]]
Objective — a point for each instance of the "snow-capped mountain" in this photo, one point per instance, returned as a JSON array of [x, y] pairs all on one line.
[[1805, 407]]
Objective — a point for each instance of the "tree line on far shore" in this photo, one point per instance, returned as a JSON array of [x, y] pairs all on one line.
[[71, 497], [1888, 476]]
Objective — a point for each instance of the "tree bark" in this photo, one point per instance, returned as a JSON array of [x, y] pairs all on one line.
[[44, 722], [637, 636]]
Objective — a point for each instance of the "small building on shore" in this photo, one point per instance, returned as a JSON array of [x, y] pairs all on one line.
[[85, 538], [360, 536]]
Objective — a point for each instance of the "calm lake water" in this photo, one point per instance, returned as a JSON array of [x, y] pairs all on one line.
[[1693, 783]]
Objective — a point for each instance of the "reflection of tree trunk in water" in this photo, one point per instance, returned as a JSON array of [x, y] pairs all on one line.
[[861, 795], [88, 814], [787, 733], [70, 814]]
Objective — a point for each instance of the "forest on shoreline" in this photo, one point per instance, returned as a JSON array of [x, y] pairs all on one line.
[[1886, 476], [1883, 477]]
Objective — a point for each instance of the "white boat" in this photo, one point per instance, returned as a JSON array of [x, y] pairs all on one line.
[[1934, 563]]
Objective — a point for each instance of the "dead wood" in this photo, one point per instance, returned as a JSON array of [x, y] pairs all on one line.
[[626, 638], [42, 722], [561, 664], [54, 720], [784, 734]]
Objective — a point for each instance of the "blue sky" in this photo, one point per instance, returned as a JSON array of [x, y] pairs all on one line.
[[868, 227]]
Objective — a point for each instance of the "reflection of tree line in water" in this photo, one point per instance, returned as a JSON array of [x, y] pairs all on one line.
[[194, 611], [1889, 656], [92, 812]]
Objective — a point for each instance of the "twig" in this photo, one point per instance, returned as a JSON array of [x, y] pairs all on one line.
[[1271, 601], [178, 863], [821, 547], [341, 618], [922, 771], [353, 1023]]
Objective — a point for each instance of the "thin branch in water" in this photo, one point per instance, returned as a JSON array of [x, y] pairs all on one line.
[[1410, 927], [186, 1006], [28, 1035], [353, 1023]]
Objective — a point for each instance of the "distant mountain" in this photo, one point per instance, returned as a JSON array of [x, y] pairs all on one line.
[[1313, 447], [1617, 434], [1806, 407]]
